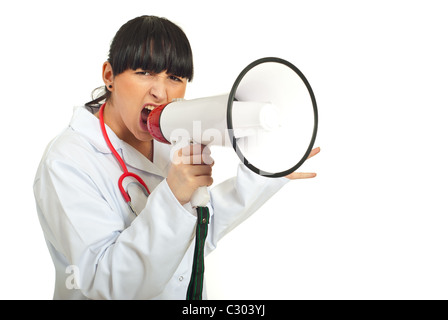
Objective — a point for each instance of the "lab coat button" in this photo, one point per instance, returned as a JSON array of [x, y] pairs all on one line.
[[181, 278]]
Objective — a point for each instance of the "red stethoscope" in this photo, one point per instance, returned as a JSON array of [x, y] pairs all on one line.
[[123, 166]]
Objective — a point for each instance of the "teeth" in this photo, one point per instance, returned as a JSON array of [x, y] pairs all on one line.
[[150, 108]]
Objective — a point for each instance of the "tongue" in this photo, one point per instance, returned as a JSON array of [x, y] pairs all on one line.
[[145, 114]]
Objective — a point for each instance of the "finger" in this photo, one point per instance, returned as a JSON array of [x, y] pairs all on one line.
[[202, 175], [195, 148], [204, 181], [201, 170], [301, 175], [196, 154], [314, 152], [198, 159]]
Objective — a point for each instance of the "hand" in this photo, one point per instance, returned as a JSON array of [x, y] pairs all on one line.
[[304, 175], [191, 168]]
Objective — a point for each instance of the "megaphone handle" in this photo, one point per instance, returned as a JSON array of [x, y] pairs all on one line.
[[200, 197]]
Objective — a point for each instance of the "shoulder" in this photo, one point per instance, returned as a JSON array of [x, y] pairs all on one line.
[[69, 144], [64, 156], [78, 145]]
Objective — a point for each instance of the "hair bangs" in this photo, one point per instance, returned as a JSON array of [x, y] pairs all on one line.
[[152, 44]]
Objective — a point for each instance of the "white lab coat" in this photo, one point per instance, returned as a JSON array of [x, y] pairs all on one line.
[[99, 248]]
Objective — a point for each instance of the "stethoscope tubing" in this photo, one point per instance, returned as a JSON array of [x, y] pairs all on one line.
[[122, 164]]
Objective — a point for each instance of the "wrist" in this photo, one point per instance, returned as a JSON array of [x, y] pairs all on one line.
[[178, 194]]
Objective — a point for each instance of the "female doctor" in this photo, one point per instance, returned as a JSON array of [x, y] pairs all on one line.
[[107, 246]]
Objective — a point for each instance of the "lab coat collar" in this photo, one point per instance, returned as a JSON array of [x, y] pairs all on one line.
[[86, 124]]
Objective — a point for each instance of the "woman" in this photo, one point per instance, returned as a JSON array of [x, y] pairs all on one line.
[[102, 247]]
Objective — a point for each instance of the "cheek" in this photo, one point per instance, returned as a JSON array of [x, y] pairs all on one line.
[[126, 90], [128, 86], [178, 92]]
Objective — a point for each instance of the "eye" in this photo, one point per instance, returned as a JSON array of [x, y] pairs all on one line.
[[144, 73], [175, 78]]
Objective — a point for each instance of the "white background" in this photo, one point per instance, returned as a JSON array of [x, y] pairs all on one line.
[[372, 225]]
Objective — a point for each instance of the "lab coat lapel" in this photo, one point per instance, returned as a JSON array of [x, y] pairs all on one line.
[[162, 156], [135, 159]]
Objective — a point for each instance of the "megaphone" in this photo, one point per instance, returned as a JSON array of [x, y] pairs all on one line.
[[269, 118]]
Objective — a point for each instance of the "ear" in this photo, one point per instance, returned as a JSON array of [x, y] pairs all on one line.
[[108, 74]]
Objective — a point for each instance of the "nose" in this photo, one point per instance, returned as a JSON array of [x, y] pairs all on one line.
[[158, 89]]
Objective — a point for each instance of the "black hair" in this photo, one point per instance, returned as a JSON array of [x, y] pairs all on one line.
[[149, 43]]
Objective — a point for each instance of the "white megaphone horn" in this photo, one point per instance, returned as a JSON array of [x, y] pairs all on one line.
[[269, 118]]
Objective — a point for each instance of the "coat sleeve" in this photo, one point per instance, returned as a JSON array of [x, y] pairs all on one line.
[[237, 198], [114, 261]]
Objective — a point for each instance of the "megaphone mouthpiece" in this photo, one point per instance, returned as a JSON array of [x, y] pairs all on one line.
[[153, 124]]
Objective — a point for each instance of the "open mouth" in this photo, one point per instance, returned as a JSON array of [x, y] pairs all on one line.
[[145, 113]]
